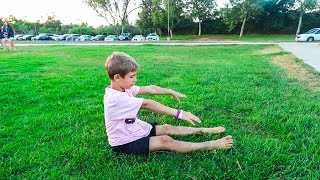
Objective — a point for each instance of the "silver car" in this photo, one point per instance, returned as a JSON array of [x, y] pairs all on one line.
[[111, 38], [85, 38]]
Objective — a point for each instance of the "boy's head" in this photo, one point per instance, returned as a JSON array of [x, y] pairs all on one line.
[[120, 63]]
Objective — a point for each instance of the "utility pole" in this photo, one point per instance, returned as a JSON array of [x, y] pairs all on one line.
[[168, 38]]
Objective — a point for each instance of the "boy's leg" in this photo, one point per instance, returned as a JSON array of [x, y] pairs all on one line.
[[167, 143], [168, 129], [5, 43], [11, 45]]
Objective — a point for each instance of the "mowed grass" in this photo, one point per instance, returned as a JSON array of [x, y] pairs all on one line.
[[52, 124], [244, 38]]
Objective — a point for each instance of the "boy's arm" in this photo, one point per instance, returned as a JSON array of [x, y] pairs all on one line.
[[162, 109], [152, 89]]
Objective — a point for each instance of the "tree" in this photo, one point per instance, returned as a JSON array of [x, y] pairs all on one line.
[[303, 6], [152, 16], [173, 9], [115, 10], [52, 24], [240, 11], [200, 10], [275, 17], [82, 29]]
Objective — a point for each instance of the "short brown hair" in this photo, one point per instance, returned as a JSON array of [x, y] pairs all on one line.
[[120, 63]]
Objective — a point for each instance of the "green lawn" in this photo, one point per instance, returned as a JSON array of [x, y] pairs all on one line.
[[52, 126], [245, 38]]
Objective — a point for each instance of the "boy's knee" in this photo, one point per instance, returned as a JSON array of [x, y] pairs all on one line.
[[166, 141], [167, 128]]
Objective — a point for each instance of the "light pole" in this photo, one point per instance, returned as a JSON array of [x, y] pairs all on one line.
[[168, 23]]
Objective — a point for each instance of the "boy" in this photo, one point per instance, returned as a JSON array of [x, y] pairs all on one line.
[[128, 134]]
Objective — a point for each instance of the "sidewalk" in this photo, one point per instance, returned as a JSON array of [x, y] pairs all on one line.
[[308, 52]]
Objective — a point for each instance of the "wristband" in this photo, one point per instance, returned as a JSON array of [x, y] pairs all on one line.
[[179, 115]]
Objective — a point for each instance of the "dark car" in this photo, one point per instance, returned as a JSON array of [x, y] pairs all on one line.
[[98, 38], [41, 37], [125, 36]]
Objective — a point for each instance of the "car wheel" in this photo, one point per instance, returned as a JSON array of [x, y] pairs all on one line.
[[310, 39]]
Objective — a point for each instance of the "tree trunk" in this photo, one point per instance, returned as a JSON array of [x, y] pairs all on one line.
[[199, 33], [300, 23], [171, 33], [122, 28], [243, 24]]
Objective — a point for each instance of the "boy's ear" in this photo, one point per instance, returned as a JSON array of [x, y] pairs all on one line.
[[116, 77]]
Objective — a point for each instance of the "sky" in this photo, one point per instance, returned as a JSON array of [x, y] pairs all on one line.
[[67, 11]]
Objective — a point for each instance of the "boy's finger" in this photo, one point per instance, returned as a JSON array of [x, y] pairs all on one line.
[[191, 122], [197, 120], [183, 96]]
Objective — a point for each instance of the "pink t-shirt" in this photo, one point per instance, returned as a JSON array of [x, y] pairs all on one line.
[[120, 114]]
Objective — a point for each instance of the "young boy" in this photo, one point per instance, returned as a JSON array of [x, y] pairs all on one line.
[[128, 134]]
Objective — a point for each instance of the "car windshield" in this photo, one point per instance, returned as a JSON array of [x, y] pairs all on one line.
[[152, 35], [110, 36], [311, 31]]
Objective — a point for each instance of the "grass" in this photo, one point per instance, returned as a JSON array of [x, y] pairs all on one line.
[[52, 126], [245, 38]]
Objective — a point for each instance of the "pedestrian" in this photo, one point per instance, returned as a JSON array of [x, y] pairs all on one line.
[[8, 34]]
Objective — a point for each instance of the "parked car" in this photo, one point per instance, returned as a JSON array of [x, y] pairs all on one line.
[[125, 36], [73, 37], [62, 37], [25, 38], [85, 38], [153, 37], [98, 38], [111, 38], [138, 38], [54, 37], [16, 37], [41, 37], [311, 35]]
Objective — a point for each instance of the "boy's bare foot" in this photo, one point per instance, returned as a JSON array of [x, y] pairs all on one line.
[[223, 143], [215, 130]]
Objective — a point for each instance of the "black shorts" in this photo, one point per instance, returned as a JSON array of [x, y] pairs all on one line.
[[140, 146]]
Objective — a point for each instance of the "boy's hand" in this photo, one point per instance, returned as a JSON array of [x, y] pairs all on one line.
[[188, 116], [177, 96]]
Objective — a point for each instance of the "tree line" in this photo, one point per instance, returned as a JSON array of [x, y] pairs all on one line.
[[169, 17]]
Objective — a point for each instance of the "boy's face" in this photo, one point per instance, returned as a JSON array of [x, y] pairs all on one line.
[[128, 81]]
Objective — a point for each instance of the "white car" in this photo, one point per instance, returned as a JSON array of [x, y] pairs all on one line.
[[85, 38], [153, 37], [138, 38], [311, 35], [111, 38]]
